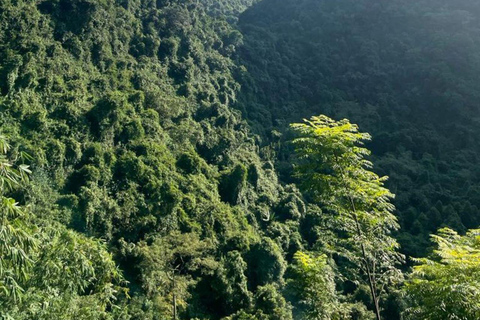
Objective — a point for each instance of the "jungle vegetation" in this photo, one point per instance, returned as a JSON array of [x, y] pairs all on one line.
[[208, 160]]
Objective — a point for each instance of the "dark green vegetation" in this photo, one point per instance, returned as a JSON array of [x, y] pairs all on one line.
[[160, 181], [407, 72]]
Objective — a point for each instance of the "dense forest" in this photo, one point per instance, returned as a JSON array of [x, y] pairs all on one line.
[[406, 72], [209, 159]]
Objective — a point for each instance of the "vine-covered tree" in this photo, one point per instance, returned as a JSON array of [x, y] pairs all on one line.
[[332, 168]]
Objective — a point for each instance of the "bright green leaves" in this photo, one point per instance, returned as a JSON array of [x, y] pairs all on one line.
[[47, 271], [16, 235], [12, 171], [73, 277], [314, 286], [446, 285], [332, 166], [333, 171]]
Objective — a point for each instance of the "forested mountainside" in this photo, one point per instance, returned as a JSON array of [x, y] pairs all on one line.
[[148, 169], [125, 109], [407, 72]]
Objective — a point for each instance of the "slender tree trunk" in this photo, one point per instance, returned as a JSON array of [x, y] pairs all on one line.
[[371, 284], [174, 298], [174, 307], [371, 280]]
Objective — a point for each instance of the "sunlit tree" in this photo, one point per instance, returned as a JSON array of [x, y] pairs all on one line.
[[447, 284], [332, 168]]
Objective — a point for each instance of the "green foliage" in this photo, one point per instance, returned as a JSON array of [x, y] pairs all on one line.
[[169, 267], [234, 282], [232, 183], [268, 305], [445, 285], [46, 270], [333, 170], [127, 109], [73, 277], [16, 235], [267, 264], [144, 170], [413, 89], [314, 286]]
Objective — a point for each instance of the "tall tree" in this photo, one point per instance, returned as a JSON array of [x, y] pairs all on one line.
[[332, 168]]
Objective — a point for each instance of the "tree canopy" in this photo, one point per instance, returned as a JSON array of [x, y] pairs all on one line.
[[446, 285], [147, 169], [333, 170]]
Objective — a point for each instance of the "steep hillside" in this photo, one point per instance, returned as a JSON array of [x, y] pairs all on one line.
[[149, 171], [125, 108], [407, 72]]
